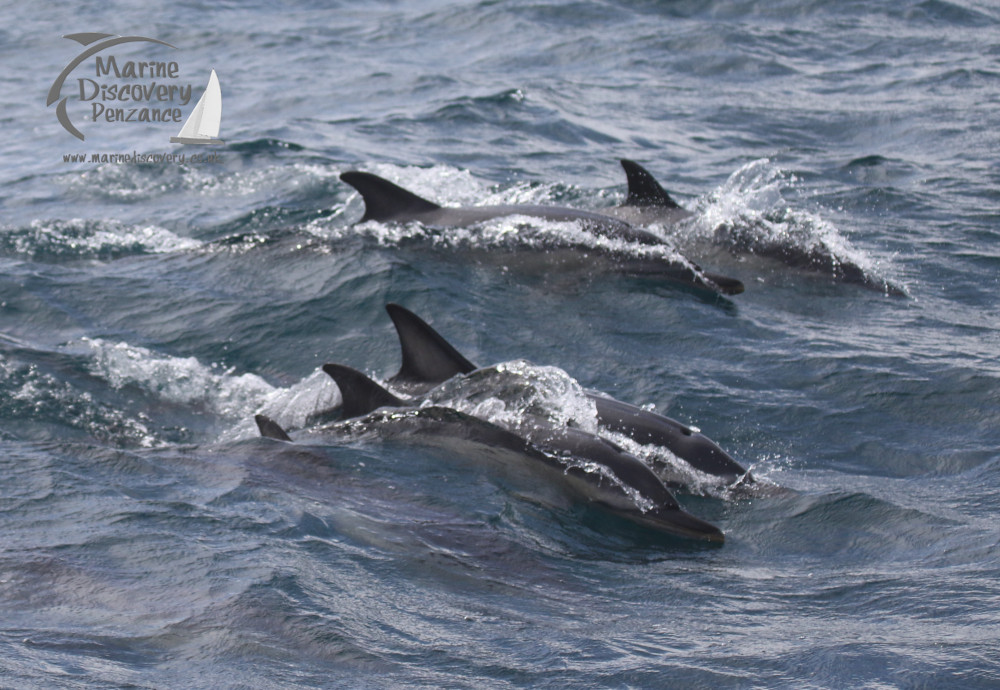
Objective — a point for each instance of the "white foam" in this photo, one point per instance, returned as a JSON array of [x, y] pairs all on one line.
[[264, 181], [291, 407], [43, 396], [513, 394], [89, 238], [182, 380], [233, 398]]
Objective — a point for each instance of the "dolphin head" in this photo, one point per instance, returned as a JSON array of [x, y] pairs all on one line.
[[680, 523]]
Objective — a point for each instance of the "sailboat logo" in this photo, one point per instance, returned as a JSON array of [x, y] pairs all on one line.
[[202, 125]]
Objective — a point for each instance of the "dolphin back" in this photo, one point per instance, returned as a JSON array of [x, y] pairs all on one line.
[[385, 201], [643, 189], [361, 395], [270, 429], [646, 427], [427, 357]]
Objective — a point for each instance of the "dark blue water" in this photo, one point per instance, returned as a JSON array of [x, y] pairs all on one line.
[[148, 310]]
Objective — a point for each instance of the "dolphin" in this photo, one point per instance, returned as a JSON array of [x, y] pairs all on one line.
[[586, 465], [428, 360], [648, 204], [386, 202]]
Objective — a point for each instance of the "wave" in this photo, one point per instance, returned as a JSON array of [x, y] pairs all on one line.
[[38, 404], [128, 395], [182, 380], [230, 397], [79, 239]]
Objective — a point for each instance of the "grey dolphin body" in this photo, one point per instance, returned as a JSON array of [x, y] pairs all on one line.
[[624, 485], [387, 202], [428, 359], [649, 204]]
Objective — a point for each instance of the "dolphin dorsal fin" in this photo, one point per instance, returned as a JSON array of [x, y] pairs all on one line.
[[643, 189], [270, 428], [427, 357], [385, 201], [361, 395]]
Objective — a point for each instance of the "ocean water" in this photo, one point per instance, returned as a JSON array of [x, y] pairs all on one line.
[[149, 309]]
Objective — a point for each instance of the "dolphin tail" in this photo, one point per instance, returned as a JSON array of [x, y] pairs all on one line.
[[361, 395], [270, 428], [385, 201], [427, 357], [643, 189]]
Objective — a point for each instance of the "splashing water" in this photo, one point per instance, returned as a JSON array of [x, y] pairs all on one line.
[[177, 379], [292, 407], [749, 215], [517, 394], [90, 239], [749, 212], [35, 395], [231, 397]]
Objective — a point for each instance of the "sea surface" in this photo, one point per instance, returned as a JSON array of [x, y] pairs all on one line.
[[149, 308]]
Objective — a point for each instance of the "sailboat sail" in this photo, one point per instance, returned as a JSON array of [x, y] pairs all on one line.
[[202, 126]]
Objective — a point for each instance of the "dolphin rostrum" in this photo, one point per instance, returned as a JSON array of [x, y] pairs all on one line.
[[428, 359], [586, 465], [386, 202]]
